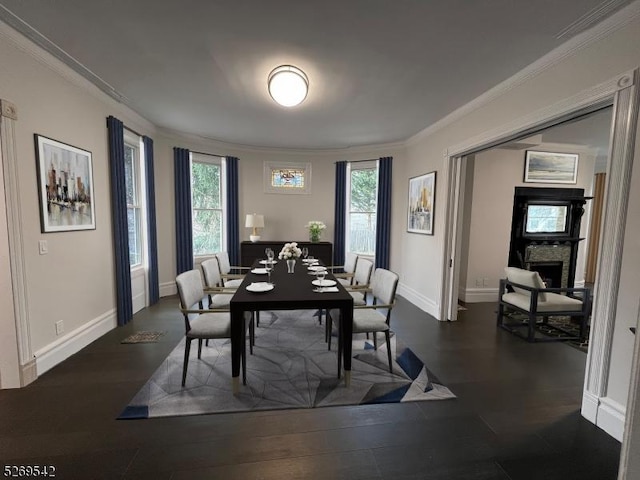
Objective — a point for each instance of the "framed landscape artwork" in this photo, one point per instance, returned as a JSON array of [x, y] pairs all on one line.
[[548, 167], [421, 207], [65, 186]]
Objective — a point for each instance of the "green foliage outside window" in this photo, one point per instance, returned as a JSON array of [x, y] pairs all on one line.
[[207, 208], [362, 215]]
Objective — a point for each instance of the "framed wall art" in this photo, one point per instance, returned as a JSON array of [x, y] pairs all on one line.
[[287, 177], [421, 208], [65, 186], [548, 167]]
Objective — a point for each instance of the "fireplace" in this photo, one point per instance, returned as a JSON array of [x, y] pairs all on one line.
[[551, 261], [545, 232]]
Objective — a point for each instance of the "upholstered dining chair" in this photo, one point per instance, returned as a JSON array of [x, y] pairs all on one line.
[[220, 296], [346, 276], [358, 290], [372, 318], [200, 323], [229, 279], [524, 291]]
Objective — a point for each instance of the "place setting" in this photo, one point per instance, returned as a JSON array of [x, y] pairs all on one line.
[[322, 284]]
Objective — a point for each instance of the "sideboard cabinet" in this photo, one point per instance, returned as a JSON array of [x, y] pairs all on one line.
[[252, 251]]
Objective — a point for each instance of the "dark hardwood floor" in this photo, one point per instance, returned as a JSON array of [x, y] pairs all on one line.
[[517, 416]]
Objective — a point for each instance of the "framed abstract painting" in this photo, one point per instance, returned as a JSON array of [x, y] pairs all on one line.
[[65, 186], [421, 207]]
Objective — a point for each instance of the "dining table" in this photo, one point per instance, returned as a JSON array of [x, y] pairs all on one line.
[[289, 291]]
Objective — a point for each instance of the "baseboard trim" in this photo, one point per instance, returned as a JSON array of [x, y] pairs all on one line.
[[477, 295], [590, 404], [167, 289], [28, 373], [58, 351], [611, 417], [419, 300]]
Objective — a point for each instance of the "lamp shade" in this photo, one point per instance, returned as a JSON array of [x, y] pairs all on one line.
[[254, 220]]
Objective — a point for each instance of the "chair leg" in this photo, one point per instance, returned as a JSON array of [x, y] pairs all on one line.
[[199, 348], [187, 348], [327, 333], [532, 328], [387, 335], [500, 313], [375, 340], [258, 318], [320, 316], [340, 340]]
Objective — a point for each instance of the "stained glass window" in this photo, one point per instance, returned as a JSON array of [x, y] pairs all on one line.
[[287, 178]]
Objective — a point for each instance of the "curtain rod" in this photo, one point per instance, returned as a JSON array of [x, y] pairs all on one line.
[[133, 131], [211, 154], [359, 161]]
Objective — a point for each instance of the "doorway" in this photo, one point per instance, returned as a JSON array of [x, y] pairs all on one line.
[[620, 93]]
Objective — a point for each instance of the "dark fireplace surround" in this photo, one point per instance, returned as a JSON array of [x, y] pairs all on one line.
[[552, 254]]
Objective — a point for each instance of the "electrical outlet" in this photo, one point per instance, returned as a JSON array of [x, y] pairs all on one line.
[[478, 282], [60, 327], [485, 282], [43, 247]]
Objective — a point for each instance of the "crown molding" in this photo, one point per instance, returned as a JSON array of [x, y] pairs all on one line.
[[581, 41], [27, 43], [232, 148]]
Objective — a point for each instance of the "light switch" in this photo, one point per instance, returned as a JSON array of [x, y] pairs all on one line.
[[43, 247]]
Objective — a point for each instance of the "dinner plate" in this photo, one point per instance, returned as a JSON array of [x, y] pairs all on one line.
[[264, 262], [309, 260], [259, 287], [260, 271], [316, 268], [324, 283]]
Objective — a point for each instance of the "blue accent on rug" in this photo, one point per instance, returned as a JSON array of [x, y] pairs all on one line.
[[391, 397], [133, 412], [410, 363]]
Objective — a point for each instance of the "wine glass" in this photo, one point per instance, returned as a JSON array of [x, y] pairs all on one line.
[[268, 251], [269, 267], [305, 252], [320, 275], [270, 256]]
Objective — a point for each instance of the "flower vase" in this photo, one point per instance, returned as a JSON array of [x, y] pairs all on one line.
[[291, 265], [314, 236]]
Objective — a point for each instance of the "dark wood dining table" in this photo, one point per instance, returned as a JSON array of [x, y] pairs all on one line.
[[292, 291]]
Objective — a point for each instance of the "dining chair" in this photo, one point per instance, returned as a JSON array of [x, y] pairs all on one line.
[[372, 318], [358, 290], [346, 276], [220, 296], [200, 323], [229, 279]]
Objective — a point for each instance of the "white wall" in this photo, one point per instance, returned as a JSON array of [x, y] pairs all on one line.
[[497, 173], [74, 282], [285, 214]]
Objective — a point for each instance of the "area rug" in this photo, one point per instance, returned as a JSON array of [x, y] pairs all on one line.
[[143, 337], [290, 368]]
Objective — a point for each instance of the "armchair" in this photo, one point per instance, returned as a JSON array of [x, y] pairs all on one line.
[[524, 291]]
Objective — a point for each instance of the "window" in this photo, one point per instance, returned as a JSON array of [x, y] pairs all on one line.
[[362, 189], [287, 177], [207, 194], [133, 183]]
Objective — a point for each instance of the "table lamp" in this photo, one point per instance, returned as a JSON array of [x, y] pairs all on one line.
[[255, 222]]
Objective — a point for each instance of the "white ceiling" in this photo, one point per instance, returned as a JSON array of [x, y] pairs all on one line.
[[379, 70]]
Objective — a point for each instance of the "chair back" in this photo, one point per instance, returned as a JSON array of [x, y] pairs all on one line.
[[362, 275], [223, 261], [350, 261], [190, 288], [211, 273], [384, 285], [527, 278]]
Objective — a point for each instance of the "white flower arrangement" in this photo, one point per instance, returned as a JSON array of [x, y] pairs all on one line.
[[290, 251], [315, 228]]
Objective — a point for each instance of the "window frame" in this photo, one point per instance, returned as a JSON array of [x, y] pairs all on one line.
[[354, 166], [221, 162], [135, 142]]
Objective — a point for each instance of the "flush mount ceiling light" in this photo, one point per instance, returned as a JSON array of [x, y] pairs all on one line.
[[288, 85]]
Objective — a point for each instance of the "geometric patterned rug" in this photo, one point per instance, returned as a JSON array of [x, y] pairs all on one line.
[[290, 368]]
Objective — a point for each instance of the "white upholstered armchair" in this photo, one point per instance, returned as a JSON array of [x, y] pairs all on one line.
[[524, 291]]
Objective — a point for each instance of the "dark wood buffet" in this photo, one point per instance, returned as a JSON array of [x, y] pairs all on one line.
[[252, 251]]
